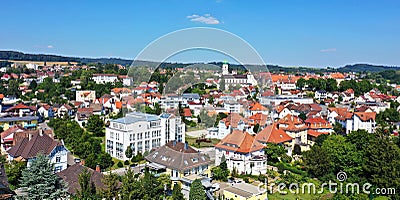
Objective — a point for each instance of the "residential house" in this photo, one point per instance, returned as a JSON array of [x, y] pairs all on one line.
[[242, 152], [29, 147], [181, 162], [71, 177], [85, 96], [104, 78], [232, 122], [272, 134], [295, 128]]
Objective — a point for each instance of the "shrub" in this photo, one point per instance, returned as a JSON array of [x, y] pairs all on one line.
[[281, 167], [126, 162], [119, 164]]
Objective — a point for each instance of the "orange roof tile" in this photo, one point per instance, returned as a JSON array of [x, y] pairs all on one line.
[[272, 134], [315, 133], [366, 116], [239, 141], [292, 123]]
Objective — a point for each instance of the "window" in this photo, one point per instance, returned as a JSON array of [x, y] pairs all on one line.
[[58, 159]]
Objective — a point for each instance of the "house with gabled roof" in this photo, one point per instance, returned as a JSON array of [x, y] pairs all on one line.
[[242, 152], [29, 147], [295, 127], [180, 161], [272, 134]]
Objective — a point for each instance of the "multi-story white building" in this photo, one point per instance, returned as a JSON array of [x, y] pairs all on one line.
[[104, 78], [142, 132], [232, 107], [242, 153]]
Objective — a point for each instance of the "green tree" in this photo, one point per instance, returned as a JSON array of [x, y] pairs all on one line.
[[87, 187], [256, 128], [33, 85], [129, 152], [95, 125], [111, 184], [300, 83], [303, 116], [197, 191], [14, 172], [131, 188], [177, 192], [40, 182], [274, 152]]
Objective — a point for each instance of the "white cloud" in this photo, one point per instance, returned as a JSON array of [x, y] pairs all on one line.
[[327, 50], [206, 19], [50, 46]]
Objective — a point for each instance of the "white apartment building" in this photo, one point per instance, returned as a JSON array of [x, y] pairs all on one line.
[[232, 107], [142, 132], [104, 78]]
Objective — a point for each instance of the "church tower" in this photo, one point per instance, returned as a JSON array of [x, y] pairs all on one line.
[[225, 68]]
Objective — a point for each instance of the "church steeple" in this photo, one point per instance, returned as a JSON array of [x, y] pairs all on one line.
[[225, 68]]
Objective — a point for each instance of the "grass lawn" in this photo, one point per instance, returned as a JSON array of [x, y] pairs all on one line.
[[192, 142]]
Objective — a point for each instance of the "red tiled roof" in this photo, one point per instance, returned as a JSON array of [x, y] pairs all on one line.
[[292, 123], [18, 106], [187, 112], [366, 116], [272, 134], [11, 130], [239, 141], [29, 148], [315, 133]]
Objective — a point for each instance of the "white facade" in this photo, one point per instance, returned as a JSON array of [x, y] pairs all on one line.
[[250, 163], [142, 132], [104, 78], [85, 95], [368, 125], [232, 107], [276, 100]]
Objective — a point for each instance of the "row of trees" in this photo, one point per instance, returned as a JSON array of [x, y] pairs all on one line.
[[83, 144], [329, 84]]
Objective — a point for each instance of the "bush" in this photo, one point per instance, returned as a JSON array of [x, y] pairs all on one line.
[[119, 164], [126, 162], [246, 179], [281, 167]]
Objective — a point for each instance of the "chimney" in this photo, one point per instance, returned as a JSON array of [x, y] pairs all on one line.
[[98, 168], [40, 132], [83, 162], [30, 136]]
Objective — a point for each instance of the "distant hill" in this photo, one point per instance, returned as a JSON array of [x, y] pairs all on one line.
[[366, 68], [19, 56]]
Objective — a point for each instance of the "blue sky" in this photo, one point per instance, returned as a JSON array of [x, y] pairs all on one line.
[[290, 33]]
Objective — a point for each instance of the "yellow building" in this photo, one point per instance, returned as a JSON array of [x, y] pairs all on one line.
[[244, 191], [27, 122]]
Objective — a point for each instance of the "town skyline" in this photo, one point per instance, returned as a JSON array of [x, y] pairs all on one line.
[[312, 34]]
